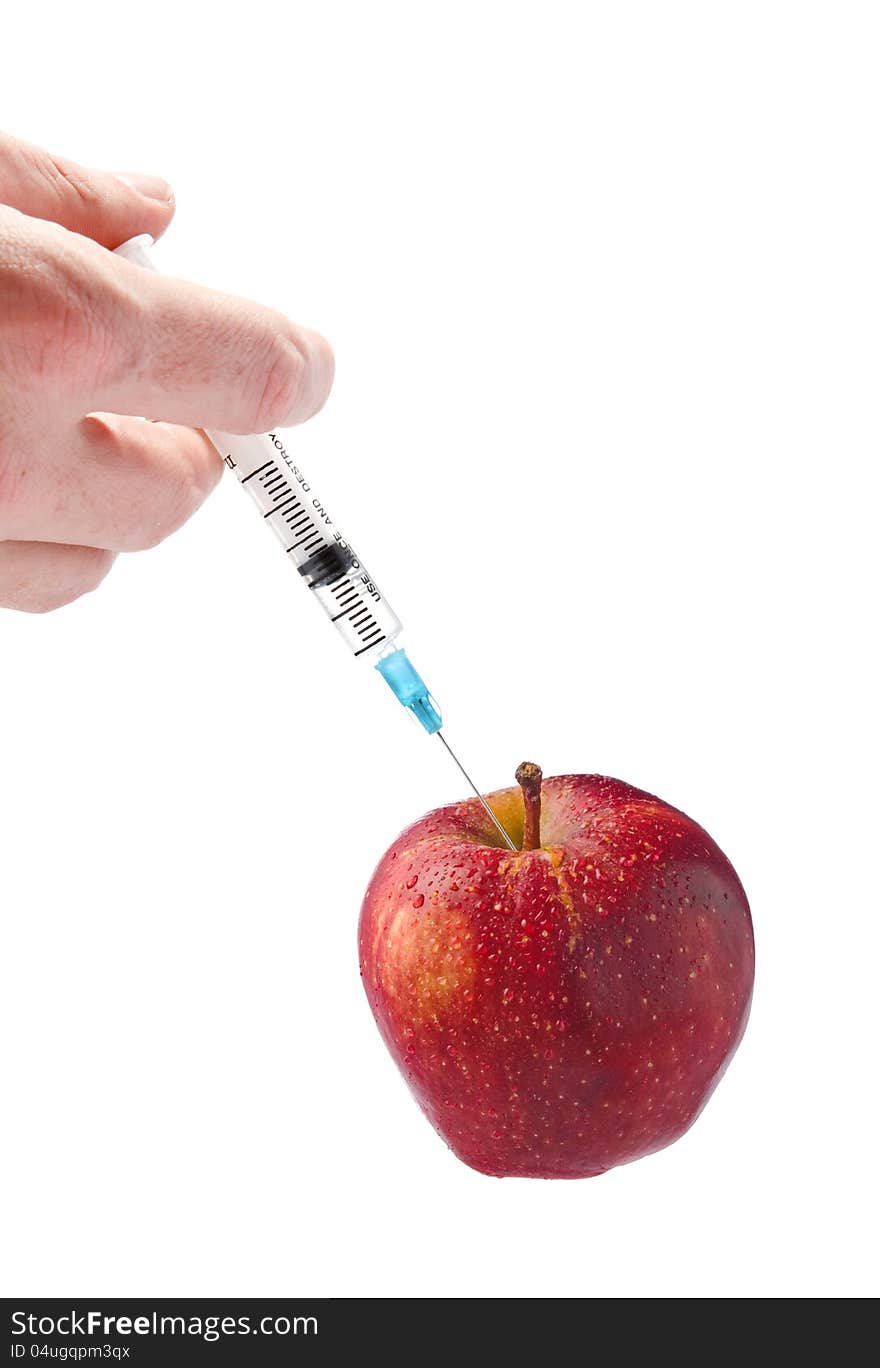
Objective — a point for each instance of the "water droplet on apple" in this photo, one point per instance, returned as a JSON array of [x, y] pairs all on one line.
[[419, 900], [411, 883]]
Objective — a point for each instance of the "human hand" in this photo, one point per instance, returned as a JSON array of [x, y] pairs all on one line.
[[86, 338]]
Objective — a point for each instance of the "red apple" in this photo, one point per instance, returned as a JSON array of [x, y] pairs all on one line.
[[568, 1006]]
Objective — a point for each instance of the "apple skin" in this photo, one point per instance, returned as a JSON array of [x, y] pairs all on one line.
[[558, 1011]]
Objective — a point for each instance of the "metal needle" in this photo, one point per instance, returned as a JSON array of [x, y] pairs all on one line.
[[501, 830]]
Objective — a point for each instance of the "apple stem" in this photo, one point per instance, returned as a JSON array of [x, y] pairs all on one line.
[[529, 777]]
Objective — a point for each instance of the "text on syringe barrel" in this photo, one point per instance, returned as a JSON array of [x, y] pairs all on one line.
[[311, 539]]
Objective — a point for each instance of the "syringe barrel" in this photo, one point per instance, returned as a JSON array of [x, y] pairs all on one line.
[[323, 558], [317, 549]]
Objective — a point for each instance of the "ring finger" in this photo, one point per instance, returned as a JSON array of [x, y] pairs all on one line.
[[36, 577]]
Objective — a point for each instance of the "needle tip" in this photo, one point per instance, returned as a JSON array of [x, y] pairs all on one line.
[[508, 842]]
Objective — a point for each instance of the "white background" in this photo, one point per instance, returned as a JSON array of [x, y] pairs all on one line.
[[603, 285]]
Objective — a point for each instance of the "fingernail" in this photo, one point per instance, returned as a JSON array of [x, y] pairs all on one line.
[[153, 187]]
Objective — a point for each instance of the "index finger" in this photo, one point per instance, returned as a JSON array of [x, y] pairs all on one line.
[[107, 208]]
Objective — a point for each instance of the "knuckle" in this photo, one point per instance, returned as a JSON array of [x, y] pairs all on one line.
[[173, 503], [67, 183], [15, 473], [32, 295], [10, 480], [54, 314], [82, 575], [93, 568], [175, 479], [280, 380], [140, 491], [323, 368], [54, 585], [47, 598]]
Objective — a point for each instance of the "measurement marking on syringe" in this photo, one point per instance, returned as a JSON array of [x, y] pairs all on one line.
[[308, 540], [291, 499], [324, 560], [259, 471], [368, 648]]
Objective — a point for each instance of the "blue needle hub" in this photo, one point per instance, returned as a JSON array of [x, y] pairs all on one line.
[[407, 685]]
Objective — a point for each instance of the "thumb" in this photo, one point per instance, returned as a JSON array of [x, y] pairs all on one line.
[[110, 209]]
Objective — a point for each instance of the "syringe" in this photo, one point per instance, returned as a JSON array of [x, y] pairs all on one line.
[[324, 560]]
